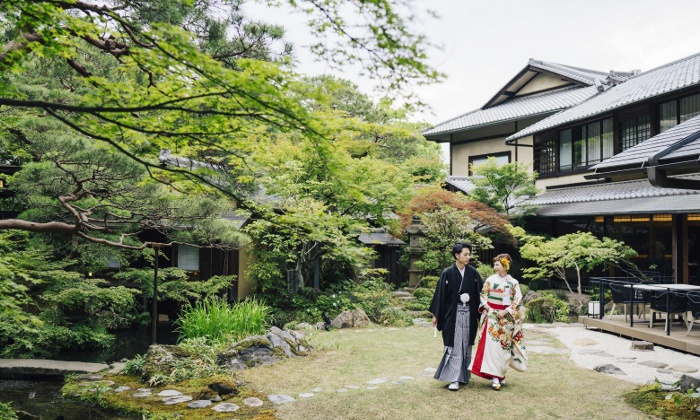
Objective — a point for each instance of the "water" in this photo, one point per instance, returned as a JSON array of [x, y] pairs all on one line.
[[126, 345], [43, 398]]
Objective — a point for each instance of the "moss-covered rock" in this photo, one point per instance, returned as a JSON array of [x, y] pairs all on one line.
[[160, 360]]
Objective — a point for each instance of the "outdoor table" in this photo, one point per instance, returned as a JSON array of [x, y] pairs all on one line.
[[668, 287]]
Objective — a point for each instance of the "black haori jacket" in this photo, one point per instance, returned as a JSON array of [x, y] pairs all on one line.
[[446, 299]]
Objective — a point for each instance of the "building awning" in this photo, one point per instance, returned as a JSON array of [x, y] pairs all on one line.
[[616, 198], [379, 237]]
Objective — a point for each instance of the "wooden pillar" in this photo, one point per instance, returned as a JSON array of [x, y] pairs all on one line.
[[680, 248]]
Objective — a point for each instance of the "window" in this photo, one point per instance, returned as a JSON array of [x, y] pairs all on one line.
[[585, 145], [188, 257], [545, 158], [634, 130], [674, 112], [501, 158]]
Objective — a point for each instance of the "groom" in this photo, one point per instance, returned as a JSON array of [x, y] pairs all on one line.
[[455, 310]]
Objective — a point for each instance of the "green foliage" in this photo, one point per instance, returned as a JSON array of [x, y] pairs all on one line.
[[218, 321], [6, 412], [547, 309], [429, 282], [654, 401], [485, 270], [134, 367], [580, 251], [524, 289], [504, 186]]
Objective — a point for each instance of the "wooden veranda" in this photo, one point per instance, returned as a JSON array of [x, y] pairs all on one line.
[[677, 339]]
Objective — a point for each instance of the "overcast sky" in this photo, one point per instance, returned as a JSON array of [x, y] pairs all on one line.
[[485, 43]]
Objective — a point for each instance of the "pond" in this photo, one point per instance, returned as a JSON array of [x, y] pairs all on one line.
[[43, 397]]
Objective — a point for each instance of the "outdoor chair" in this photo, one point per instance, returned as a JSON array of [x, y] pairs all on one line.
[[692, 309], [622, 294], [675, 306]]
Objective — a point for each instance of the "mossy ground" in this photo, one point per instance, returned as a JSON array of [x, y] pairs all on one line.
[[153, 408], [652, 400]]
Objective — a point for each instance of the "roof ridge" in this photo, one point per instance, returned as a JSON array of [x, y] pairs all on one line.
[[680, 60], [452, 119], [580, 72]]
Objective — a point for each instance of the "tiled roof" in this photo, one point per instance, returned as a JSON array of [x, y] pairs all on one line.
[[639, 155], [519, 107], [640, 188], [667, 78], [379, 237], [626, 197], [586, 76], [462, 183]]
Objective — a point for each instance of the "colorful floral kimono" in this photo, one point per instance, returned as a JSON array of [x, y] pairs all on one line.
[[500, 340]]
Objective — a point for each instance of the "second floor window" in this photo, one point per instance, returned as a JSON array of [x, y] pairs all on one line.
[[634, 130], [674, 112], [585, 145]]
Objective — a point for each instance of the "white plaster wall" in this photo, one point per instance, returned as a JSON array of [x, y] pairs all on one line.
[[541, 82]]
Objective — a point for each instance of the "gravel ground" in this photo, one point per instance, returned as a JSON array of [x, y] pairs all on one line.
[[590, 348]]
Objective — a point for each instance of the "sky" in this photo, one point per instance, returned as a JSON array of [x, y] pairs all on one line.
[[481, 45]]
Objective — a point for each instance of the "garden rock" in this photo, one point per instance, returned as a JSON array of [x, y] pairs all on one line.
[[351, 319], [609, 369], [531, 295], [280, 398], [253, 402], [176, 400], [199, 404], [224, 388], [642, 346], [684, 369], [226, 408], [160, 359], [689, 382], [265, 349]]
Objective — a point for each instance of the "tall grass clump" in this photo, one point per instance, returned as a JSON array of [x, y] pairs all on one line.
[[216, 320]]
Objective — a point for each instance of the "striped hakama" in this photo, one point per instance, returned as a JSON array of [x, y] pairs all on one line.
[[455, 362]]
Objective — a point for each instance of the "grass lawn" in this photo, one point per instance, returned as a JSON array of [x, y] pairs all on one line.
[[552, 387]]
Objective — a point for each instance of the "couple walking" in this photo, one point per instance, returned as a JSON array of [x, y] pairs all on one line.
[[460, 296]]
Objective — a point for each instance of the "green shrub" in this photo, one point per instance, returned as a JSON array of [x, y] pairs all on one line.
[[547, 309], [524, 289], [218, 321], [428, 282], [6, 412], [485, 271], [374, 297], [134, 366], [394, 317], [423, 292]]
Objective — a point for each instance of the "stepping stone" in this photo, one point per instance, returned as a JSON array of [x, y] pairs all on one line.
[[405, 378], [228, 407], [609, 369], [306, 394], [397, 382], [122, 389], [684, 369], [141, 394], [626, 359], [585, 342], [653, 364], [547, 350], [317, 390], [199, 404], [342, 390], [666, 371], [176, 400], [352, 386], [378, 381], [425, 375], [169, 393], [372, 387], [280, 398], [392, 329], [252, 402], [430, 370], [588, 351], [642, 346], [145, 389]]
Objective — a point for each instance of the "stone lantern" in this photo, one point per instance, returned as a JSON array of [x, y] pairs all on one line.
[[416, 235]]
